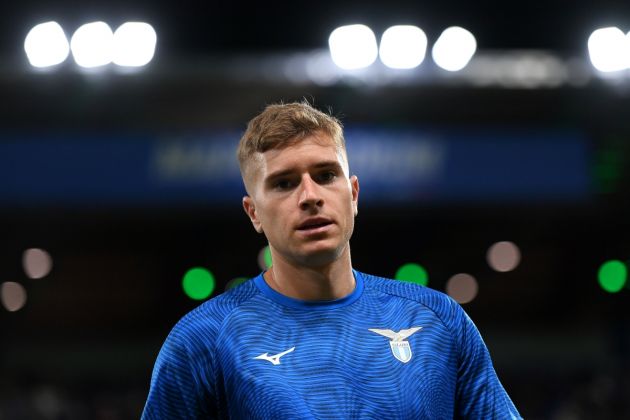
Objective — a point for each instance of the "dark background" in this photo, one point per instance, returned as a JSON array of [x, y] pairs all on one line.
[[84, 344]]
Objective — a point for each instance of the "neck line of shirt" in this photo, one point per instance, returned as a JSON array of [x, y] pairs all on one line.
[[311, 304]]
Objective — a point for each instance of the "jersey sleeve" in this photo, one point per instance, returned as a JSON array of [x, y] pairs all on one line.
[[177, 391], [480, 394]]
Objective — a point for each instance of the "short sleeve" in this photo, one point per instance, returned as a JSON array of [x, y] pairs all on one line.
[[480, 394], [175, 391]]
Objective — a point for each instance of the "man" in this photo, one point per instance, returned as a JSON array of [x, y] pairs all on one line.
[[311, 338]]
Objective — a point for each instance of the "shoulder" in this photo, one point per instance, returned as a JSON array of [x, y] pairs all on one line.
[[444, 307], [202, 324], [434, 299], [185, 375]]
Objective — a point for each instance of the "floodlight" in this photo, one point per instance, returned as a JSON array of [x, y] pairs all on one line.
[[609, 49], [134, 44], [403, 47], [92, 45], [353, 46], [454, 48], [46, 45]]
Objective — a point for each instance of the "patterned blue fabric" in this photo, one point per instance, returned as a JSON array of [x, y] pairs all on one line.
[[390, 350]]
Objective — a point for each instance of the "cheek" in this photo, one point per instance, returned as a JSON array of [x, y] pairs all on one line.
[[275, 220]]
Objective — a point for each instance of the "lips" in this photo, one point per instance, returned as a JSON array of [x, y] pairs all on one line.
[[314, 223]]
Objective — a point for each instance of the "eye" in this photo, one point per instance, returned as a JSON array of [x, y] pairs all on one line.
[[326, 177], [283, 184]]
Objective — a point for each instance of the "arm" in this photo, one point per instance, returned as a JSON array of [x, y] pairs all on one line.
[[480, 394]]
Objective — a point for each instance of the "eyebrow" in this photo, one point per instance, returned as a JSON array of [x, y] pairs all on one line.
[[319, 165]]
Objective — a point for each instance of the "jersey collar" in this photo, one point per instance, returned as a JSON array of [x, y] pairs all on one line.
[[311, 304]]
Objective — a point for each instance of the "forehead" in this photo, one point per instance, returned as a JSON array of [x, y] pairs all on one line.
[[309, 151]]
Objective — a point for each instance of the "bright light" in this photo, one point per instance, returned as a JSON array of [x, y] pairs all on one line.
[[46, 45], [503, 256], [609, 49], [353, 46], [92, 45], [198, 283], [12, 296], [37, 263], [462, 287], [413, 273], [403, 47], [612, 276], [134, 44], [235, 282], [264, 258], [454, 48]]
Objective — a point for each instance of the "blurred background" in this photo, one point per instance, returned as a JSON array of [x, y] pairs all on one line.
[[491, 140]]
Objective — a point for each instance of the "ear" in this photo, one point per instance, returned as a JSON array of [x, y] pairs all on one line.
[[354, 184], [250, 210]]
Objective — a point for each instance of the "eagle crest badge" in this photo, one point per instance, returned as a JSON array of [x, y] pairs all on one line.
[[399, 345]]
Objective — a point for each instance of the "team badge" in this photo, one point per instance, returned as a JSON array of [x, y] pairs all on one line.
[[398, 344]]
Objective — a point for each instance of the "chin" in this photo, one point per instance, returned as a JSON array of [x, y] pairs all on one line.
[[320, 257]]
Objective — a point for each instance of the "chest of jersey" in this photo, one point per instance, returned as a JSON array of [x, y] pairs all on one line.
[[366, 360]]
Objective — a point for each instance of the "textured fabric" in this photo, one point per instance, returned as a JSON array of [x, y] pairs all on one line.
[[390, 350]]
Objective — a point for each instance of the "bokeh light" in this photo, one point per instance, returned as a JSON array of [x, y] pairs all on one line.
[[413, 273], [36, 262], [612, 276], [235, 282], [403, 47], [264, 258], [454, 48], [462, 287], [503, 256], [353, 47], [609, 49], [12, 296], [92, 45], [134, 44], [198, 283], [46, 45]]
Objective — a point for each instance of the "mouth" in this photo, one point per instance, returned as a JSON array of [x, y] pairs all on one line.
[[314, 224]]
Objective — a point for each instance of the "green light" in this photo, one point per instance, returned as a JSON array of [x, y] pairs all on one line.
[[198, 283], [413, 273], [267, 254], [612, 276], [235, 282]]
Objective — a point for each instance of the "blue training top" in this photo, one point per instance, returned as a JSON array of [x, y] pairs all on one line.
[[389, 350]]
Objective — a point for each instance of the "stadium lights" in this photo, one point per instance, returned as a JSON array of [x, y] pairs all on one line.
[[403, 47], [46, 45], [134, 44], [353, 47], [92, 45], [609, 49], [454, 48]]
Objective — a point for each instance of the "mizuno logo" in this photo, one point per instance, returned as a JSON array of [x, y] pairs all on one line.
[[400, 348], [274, 359]]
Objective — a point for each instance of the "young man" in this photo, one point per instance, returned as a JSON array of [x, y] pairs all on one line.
[[311, 338]]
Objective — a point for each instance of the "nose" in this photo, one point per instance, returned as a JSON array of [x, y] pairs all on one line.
[[310, 194]]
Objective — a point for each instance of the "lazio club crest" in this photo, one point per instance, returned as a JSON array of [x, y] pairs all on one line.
[[400, 347]]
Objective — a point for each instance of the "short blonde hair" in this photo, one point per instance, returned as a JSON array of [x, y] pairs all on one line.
[[281, 125]]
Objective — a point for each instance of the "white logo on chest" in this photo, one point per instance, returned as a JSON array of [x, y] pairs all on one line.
[[274, 359], [400, 348]]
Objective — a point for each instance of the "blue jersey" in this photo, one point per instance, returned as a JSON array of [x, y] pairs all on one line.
[[389, 350]]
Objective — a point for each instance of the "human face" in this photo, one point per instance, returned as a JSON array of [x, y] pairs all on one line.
[[303, 200]]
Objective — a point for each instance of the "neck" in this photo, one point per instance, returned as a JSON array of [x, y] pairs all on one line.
[[327, 282]]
